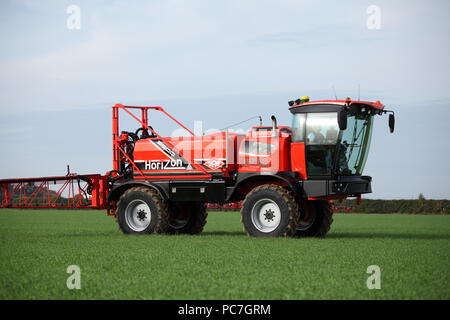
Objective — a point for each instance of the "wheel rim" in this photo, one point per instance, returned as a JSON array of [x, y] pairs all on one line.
[[266, 215], [180, 219], [138, 215]]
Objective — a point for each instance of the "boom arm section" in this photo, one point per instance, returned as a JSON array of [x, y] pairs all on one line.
[[61, 192]]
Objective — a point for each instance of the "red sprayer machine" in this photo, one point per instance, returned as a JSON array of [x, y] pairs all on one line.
[[286, 176]]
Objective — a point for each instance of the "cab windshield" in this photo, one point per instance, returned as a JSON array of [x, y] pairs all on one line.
[[330, 151]]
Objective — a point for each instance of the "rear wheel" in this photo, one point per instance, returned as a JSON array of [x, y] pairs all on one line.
[[187, 218], [141, 210], [315, 218], [270, 211]]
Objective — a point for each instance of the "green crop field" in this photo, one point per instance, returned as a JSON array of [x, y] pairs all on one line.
[[412, 251]]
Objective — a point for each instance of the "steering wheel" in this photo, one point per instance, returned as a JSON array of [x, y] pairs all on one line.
[[145, 133]]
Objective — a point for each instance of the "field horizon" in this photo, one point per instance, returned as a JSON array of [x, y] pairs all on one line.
[[37, 247]]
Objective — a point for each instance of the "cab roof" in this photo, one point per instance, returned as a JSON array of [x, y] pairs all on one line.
[[376, 105]]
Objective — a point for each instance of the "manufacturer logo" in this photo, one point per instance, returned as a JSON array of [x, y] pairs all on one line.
[[214, 164], [164, 147], [163, 164]]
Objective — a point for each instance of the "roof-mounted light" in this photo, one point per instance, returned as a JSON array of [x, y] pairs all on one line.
[[304, 99], [300, 100]]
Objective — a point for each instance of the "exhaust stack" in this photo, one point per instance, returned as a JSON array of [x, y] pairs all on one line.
[[274, 127]]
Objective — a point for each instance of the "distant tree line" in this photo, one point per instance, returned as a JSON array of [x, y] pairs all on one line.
[[412, 206]]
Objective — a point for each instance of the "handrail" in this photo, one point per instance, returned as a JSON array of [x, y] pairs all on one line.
[[145, 126]]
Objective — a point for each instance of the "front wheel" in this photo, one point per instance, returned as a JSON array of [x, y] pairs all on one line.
[[270, 211], [141, 210]]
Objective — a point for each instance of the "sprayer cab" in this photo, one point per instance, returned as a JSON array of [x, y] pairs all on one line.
[[331, 140], [324, 151]]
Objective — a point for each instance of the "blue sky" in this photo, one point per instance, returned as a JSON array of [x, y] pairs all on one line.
[[221, 62]]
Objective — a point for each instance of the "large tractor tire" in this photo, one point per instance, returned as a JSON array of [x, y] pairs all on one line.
[[270, 211], [315, 218], [141, 210], [187, 218]]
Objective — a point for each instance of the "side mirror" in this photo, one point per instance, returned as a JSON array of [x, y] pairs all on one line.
[[391, 122], [342, 119]]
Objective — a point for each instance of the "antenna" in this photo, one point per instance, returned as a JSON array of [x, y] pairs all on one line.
[[359, 92], [235, 124], [334, 93]]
